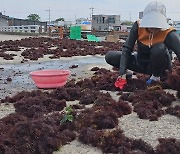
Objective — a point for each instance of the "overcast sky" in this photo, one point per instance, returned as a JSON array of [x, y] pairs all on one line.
[[73, 9]]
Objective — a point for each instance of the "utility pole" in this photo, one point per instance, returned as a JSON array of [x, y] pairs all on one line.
[[75, 19], [92, 9], [130, 16], [49, 15]]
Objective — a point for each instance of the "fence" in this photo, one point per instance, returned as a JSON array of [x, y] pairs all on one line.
[[23, 29], [54, 32]]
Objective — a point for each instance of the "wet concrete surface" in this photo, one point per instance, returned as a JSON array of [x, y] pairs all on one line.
[[19, 73]]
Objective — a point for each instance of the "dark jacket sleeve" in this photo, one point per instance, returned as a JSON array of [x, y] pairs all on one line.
[[128, 48], [172, 41]]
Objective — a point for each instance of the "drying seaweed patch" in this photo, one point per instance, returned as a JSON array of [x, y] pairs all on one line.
[[39, 105], [121, 107], [89, 96], [90, 136], [161, 96], [174, 78], [148, 103], [73, 66], [98, 118], [77, 107], [38, 47], [67, 93], [139, 146], [85, 83], [36, 127], [104, 79], [174, 111], [9, 122], [80, 91], [141, 76], [149, 110], [154, 87], [101, 80], [95, 69], [6, 56], [103, 115], [23, 94], [103, 99], [135, 84], [113, 141], [9, 79], [42, 135], [33, 54], [168, 146]]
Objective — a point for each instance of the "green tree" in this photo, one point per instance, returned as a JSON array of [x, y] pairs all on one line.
[[34, 17], [129, 23], [60, 19]]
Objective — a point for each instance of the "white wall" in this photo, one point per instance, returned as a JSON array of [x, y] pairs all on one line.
[[23, 29]]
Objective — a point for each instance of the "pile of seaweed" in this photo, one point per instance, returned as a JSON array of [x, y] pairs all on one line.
[[148, 104], [35, 48], [43, 121], [20, 134], [174, 77]]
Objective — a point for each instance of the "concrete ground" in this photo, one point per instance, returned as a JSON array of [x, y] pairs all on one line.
[[21, 80], [5, 37]]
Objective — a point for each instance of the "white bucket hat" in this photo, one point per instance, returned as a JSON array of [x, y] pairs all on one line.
[[154, 16]]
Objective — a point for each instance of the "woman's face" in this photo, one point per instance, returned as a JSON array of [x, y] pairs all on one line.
[[154, 30]]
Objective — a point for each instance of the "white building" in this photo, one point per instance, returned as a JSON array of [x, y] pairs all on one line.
[[105, 22]]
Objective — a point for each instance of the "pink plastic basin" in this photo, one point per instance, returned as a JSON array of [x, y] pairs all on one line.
[[50, 78]]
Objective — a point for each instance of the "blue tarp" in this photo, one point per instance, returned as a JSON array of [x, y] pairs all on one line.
[[86, 22]]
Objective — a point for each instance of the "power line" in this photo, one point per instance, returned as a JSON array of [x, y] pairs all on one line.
[[19, 12], [71, 10]]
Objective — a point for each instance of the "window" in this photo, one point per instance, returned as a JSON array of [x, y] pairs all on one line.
[[103, 18], [33, 27], [111, 20]]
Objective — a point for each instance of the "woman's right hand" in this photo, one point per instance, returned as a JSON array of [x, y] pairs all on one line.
[[122, 77]]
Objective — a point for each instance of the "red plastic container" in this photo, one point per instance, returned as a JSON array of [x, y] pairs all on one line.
[[50, 78], [120, 83]]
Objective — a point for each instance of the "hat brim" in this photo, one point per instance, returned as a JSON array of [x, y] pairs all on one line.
[[154, 20]]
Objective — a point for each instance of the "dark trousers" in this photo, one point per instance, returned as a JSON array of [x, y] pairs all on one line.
[[155, 61]]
